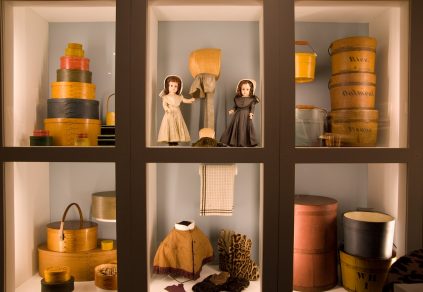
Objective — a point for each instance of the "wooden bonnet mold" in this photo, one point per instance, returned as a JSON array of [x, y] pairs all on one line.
[[205, 61], [72, 236]]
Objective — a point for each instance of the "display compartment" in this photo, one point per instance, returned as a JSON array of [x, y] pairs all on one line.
[[175, 192], [174, 31], [321, 23], [36, 194], [379, 187], [36, 37]]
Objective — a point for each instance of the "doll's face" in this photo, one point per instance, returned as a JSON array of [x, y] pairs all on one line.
[[173, 87], [245, 89]]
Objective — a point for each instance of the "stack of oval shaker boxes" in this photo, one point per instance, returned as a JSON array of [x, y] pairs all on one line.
[[72, 111]]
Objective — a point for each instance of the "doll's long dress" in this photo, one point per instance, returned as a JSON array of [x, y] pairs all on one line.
[[240, 132], [173, 127]]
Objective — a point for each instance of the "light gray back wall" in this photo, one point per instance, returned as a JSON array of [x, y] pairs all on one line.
[[98, 40], [76, 182], [320, 35], [239, 42], [346, 183], [178, 198]]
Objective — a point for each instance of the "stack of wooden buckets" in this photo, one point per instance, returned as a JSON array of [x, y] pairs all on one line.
[[73, 111], [352, 90], [367, 253]]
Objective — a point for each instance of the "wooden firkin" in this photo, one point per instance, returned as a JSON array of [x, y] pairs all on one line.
[[315, 243]]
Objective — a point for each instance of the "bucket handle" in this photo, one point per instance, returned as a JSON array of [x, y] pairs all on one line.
[[330, 50], [306, 106], [305, 43], [62, 223], [107, 102]]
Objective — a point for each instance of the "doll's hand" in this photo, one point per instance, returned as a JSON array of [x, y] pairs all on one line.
[[251, 115], [191, 100], [231, 111]]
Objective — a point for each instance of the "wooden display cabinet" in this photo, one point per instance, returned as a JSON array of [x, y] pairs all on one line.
[[386, 177]]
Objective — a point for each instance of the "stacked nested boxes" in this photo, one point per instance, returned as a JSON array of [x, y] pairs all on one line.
[[368, 252], [72, 111], [352, 91], [74, 244]]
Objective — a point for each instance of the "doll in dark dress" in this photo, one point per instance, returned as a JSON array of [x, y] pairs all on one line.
[[240, 132]]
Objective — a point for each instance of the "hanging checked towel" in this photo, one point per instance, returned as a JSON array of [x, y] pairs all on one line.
[[217, 189]]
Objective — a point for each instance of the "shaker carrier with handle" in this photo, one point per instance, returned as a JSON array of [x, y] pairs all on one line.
[[72, 236]]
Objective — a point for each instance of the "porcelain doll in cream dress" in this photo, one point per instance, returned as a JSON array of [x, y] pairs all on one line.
[[173, 128]]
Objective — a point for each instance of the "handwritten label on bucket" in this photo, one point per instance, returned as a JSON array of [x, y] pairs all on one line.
[[367, 278]]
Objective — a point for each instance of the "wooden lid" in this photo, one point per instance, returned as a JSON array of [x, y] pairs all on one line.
[[72, 121], [353, 43], [353, 78], [311, 200], [57, 274], [354, 114], [72, 225]]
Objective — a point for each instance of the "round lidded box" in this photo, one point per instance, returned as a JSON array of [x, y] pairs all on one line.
[[106, 276], [353, 54], [65, 130], [357, 127], [352, 90], [74, 63], [368, 234], [103, 207], [364, 274], [57, 274], [67, 286], [72, 90]]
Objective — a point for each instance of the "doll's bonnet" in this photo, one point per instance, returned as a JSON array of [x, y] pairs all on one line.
[[251, 80], [164, 85]]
